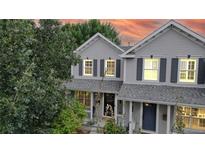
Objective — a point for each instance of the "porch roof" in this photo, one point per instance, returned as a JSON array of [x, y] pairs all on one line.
[[163, 94], [94, 85]]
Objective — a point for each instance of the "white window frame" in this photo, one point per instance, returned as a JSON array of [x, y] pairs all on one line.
[[108, 75], [84, 61], [195, 74], [158, 69]]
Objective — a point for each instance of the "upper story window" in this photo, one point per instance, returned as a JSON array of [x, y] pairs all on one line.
[[151, 69], [187, 70], [110, 68], [88, 67]]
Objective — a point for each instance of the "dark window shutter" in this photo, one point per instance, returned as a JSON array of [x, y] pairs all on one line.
[[102, 63], [80, 67], [163, 64], [95, 67], [118, 67], [201, 71], [139, 68], [174, 70]]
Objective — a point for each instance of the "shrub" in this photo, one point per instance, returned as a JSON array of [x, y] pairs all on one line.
[[112, 128], [70, 118]]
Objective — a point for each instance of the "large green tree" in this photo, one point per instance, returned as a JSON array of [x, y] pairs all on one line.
[[16, 47], [81, 32], [34, 59], [53, 50]]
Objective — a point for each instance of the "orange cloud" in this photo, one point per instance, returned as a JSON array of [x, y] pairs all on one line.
[[133, 30]]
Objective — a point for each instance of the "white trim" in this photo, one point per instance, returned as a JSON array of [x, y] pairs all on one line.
[[158, 31], [157, 119], [141, 114], [168, 118], [94, 37], [85, 60], [130, 118], [196, 71], [105, 68]]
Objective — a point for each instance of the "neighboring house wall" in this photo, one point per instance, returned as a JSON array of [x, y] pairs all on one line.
[[170, 44], [99, 50]]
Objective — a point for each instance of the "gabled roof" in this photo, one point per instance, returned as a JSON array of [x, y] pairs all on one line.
[[95, 37], [171, 24]]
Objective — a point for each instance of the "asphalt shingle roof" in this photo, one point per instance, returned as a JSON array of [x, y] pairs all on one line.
[[94, 85], [162, 93]]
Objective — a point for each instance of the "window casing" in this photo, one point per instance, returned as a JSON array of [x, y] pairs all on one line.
[[88, 67], [193, 118], [187, 70], [110, 68], [84, 97], [151, 69]]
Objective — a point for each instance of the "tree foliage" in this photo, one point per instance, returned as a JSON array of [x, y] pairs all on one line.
[[112, 128], [81, 32], [70, 118]]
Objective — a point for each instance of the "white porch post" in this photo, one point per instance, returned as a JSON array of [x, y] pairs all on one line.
[[157, 119], [91, 106], [123, 113], [130, 117], [168, 118], [115, 108], [102, 104], [141, 115]]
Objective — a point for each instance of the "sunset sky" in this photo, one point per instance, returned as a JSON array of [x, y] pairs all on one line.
[[132, 30]]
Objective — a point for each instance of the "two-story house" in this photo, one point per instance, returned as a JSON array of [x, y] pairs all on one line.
[[142, 85]]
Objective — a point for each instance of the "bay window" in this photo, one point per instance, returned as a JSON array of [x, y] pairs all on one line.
[[187, 70], [151, 69]]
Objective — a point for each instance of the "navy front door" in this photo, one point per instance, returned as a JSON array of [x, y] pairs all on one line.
[[149, 117]]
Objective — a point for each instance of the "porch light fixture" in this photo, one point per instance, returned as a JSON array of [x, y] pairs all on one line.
[[188, 56], [146, 104], [87, 58], [109, 58], [151, 56]]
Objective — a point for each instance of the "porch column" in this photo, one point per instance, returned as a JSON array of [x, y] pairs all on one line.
[[130, 117], [157, 119], [141, 115], [168, 118], [91, 106], [123, 113], [102, 104], [115, 108]]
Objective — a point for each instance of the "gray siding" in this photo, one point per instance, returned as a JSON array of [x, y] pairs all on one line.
[[99, 50], [169, 45]]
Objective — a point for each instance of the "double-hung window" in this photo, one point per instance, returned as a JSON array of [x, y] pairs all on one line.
[[151, 69], [110, 68], [88, 67], [187, 70]]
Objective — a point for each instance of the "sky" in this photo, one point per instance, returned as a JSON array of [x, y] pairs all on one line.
[[133, 30]]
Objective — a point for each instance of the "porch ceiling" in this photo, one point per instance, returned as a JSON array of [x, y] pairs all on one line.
[[94, 85], [163, 94]]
